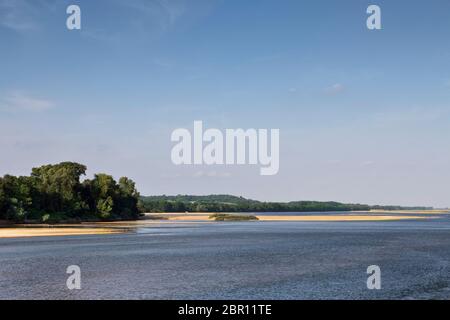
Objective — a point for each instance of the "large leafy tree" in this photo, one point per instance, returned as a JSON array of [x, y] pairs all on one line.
[[15, 197], [128, 199], [109, 199], [59, 188], [103, 191]]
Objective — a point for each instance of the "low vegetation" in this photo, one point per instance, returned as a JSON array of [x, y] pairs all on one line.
[[229, 203], [232, 217]]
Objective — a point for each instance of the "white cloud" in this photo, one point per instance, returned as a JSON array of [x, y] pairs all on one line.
[[211, 174], [17, 15], [17, 101], [335, 89], [163, 63], [166, 11], [367, 163], [150, 19]]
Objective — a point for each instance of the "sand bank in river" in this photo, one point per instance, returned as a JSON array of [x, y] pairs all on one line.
[[41, 232], [353, 217], [99, 228], [338, 218], [434, 211]]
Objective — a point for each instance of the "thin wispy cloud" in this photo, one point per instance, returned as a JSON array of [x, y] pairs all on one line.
[[17, 15], [211, 174], [368, 163], [167, 11], [19, 101], [163, 63], [151, 18], [335, 89], [23, 16]]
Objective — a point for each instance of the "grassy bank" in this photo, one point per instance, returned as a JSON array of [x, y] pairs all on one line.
[[232, 217]]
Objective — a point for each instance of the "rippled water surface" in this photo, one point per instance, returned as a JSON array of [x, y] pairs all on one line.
[[243, 260]]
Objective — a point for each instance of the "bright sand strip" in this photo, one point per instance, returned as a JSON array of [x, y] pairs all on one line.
[[366, 217], [47, 232], [99, 228], [434, 211], [195, 217], [84, 228], [338, 218]]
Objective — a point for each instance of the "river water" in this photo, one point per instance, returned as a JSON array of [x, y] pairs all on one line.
[[236, 260]]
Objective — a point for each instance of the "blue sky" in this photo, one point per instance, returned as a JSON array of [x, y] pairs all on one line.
[[363, 115]]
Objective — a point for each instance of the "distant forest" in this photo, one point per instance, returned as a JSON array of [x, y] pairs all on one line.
[[54, 193], [229, 203]]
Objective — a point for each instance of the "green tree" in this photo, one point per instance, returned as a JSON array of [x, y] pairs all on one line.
[[58, 187], [127, 198], [15, 198], [103, 190], [105, 207], [55, 192]]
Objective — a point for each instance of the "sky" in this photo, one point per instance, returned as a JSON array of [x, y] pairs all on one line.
[[364, 115]]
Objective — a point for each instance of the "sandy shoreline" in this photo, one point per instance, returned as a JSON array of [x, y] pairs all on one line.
[[338, 218], [21, 232], [434, 211], [311, 218], [99, 228]]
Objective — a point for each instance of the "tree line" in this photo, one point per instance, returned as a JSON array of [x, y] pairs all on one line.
[[56, 193], [229, 203]]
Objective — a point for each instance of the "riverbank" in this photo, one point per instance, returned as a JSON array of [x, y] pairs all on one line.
[[306, 218], [319, 217], [153, 219], [434, 211], [24, 232]]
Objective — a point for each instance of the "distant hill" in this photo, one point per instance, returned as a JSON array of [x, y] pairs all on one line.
[[230, 203], [222, 198]]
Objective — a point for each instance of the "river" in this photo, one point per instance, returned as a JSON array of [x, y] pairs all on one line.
[[236, 260]]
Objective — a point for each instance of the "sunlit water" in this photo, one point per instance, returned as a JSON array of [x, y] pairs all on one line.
[[236, 260]]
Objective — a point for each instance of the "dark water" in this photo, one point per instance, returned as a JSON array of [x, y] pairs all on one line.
[[245, 260]]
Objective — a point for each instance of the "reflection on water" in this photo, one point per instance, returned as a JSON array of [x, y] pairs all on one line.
[[239, 260]]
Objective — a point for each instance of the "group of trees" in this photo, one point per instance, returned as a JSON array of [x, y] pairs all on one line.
[[227, 203], [55, 192]]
